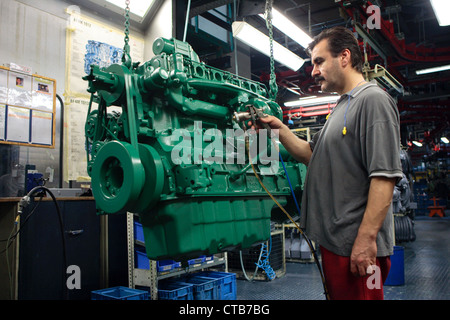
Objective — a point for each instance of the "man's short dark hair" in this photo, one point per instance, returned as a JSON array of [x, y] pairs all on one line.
[[339, 39]]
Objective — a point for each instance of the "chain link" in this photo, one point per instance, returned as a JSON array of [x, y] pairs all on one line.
[[273, 88], [126, 59], [127, 21]]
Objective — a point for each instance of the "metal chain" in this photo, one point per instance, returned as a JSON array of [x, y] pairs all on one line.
[[273, 88], [126, 58], [127, 21]]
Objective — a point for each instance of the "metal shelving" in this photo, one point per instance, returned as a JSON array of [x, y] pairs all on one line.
[[150, 277]]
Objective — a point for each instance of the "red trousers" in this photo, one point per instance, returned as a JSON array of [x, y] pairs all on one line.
[[343, 285]]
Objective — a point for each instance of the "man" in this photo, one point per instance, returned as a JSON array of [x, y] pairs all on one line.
[[353, 164]]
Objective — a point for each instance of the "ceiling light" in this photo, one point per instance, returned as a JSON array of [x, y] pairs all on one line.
[[289, 28], [307, 98], [431, 70], [310, 101], [417, 143], [441, 9], [292, 90], [139, 8], [444, 140], [259, 41]]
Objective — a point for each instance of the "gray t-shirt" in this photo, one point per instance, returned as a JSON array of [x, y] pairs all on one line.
[[340, 168]]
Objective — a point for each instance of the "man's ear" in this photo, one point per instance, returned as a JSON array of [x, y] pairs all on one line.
[[346, 58]]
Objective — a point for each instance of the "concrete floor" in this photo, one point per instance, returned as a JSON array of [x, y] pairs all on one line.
[[426, 268]]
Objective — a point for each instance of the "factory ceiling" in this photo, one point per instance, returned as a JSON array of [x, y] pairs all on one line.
[[409, 38]]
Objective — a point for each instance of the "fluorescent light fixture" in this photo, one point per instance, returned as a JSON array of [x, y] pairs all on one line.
[[289, 28], [310, 101], [259, 41], [441, 9], [139, 8], [307, 98], [444, 140], [293, 91], [417, 143], [435, 69]]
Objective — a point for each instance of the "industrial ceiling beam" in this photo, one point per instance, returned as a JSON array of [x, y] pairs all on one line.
[[205, 6]]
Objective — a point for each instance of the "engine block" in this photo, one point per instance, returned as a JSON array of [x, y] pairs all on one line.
[[175, 149]]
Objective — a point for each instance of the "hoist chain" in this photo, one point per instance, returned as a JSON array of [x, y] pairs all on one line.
[[127, 21], [126, 59], [273, 88]]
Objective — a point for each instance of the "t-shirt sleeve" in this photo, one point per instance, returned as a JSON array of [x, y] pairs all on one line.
[[314, 139], [381, 141]]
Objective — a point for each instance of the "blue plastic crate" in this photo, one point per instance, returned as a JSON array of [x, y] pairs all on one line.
[[141, 260], [175, 291], [167, 265], [119, 293], [226, 283], [204, 288], [198, 260], [138, 232]]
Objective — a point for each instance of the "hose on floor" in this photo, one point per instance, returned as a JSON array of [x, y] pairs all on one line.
[[308, 241]]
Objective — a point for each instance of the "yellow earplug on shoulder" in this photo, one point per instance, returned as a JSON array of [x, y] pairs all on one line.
[[344, 131]]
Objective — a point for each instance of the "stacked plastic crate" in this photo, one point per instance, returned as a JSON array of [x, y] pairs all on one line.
[[205, 285], [119, 293]]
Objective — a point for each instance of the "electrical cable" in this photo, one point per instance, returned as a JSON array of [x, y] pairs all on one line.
[[308, 241], [23, 223], [243, 268], [264, 264], [260, 264], [24, 201], [272, 94], [311, 248], [11, 239], [290, 185], [7, 263]]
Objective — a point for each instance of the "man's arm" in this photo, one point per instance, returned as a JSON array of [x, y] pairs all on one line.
[[364, 249], [298, 148]]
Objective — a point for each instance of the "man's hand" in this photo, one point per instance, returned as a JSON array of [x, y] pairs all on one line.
[[364, 254], [364, 251], [271, 121], [298, 148]]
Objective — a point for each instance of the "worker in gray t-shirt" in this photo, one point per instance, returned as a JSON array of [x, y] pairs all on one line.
[[353, 164]]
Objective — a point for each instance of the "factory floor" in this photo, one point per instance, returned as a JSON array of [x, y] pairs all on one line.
[[426, 270]]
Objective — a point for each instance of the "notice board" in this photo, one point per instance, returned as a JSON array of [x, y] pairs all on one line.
[[88, 41], [27, 108]]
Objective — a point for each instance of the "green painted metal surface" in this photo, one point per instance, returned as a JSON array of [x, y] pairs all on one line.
[[175, 154]]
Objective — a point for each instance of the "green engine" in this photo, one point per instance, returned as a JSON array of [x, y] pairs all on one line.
[[168, 140]]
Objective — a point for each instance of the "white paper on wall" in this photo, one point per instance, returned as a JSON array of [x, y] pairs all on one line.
[[41, 127], [18, 128], [42, 94], [19, 89], [3, 85]]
